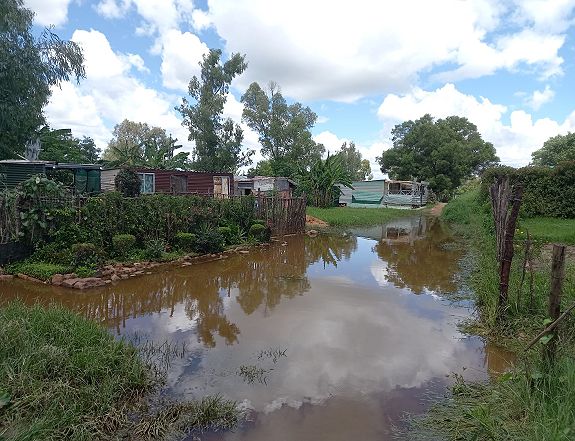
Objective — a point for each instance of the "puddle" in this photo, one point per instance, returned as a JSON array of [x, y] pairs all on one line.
[[332, 337]]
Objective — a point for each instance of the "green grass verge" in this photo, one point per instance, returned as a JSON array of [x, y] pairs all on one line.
[[38, 270], [65, 377], [550, 229], [350, 216], [537, 400]]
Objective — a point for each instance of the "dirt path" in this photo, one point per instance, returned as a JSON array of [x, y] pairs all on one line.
[[314, 221], [437, 209]]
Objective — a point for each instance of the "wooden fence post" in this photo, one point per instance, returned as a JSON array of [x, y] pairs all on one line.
[[557, 276]]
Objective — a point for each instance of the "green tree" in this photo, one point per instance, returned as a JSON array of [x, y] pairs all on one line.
[[444, 152], [262, 168], [137, 144], [59, 145], [555, 150], [284, 130], [218, 140], [322, 181], [358, 168], [29, 66]]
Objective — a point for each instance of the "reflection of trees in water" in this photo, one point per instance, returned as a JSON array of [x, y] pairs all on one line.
[[426, 262], [330, 249]]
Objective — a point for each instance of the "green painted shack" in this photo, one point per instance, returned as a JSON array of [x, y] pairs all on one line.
[[385, 193], [86, 178]]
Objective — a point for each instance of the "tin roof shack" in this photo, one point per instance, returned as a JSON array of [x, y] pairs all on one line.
[[80, 178], [279, 185], [175, 181], [385, 193]]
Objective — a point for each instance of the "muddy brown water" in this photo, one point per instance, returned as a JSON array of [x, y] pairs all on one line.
[[326, 338]]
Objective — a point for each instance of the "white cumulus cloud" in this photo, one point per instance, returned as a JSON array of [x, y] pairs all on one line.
[[49, 12]]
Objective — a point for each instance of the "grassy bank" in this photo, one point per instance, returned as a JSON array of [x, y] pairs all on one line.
[[349, 216], [537, 400], [63, 377]]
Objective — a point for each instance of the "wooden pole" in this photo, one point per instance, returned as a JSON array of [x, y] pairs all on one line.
[[524, 266], [549, 328], [557, 276]]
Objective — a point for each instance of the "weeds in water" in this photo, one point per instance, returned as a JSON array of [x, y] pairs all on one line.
[[252, 373], [272, 353]]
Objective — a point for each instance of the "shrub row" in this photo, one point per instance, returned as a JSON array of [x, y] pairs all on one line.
[[548, 191]]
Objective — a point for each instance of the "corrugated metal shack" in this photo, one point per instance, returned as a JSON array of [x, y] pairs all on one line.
[[385, 193], [175, 181], [85, 177], [267, 185]]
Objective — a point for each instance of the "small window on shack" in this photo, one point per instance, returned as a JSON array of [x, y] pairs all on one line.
[[147, 183]]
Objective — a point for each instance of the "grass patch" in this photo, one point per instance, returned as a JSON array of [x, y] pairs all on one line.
[[349, 216], [38, 270], [65, 376], [548, 229], [537, 400]]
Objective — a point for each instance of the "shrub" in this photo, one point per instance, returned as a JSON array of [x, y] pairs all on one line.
[[184, 241], [86, 254], [128, 182], [260, 232], [38, 270], [53, 253], [208, 241], [85, 271], [123, 244], [226, 233], [154, 249], [259, 221]]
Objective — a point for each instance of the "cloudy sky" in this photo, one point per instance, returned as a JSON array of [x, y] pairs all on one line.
[[362, 66]]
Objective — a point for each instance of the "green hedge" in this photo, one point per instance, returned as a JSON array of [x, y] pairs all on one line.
[[548, 191]]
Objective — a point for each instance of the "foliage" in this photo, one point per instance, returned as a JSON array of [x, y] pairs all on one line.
[[123, 243], [349, 216], [262, 168], [261, 233], [284, 130], [128, 182], [358, 168], [38, 270], [226, 233], [87, 254], [54, 253], [218, 141], [184, 241], [137, 144], [60, 146], [556, 149], [30, 67], [154, 249], [321, 183], [67, 377], [443, 152], [209, 241], [85, 271], [548, 191]]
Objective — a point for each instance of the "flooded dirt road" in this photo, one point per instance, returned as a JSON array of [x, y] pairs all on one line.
[[325, 338]]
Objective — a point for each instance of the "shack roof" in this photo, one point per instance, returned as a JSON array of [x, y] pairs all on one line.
[[51, 164]]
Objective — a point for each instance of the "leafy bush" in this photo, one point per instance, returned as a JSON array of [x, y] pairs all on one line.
[[86, 254], [260, 232], [128, 182], [123, 244], [38, 270], [154, 249], [226, 233], [209, 241], [53, 253], [184, 241], [259, 221], [85, 271]]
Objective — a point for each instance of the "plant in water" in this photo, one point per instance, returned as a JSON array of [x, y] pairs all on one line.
[[252, 373]]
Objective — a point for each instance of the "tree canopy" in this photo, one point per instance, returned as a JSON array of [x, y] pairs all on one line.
[[138, 144], [284, 130], [218, 140], [29, 66], [358, 168], [555, 150], [443, 152], [61, 146]]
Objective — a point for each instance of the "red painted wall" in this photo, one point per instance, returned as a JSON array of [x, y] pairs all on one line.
[[198, 182]]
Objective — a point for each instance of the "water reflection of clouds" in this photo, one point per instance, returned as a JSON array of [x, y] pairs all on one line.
[[339, 342]]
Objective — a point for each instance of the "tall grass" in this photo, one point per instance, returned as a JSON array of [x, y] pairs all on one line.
[[350, 216], [537, 400]]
